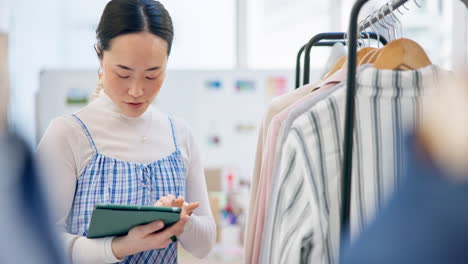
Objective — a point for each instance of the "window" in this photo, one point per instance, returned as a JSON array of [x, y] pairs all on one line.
[[277, 29]]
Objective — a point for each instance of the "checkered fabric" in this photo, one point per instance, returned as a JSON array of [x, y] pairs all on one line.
[[107, 180]]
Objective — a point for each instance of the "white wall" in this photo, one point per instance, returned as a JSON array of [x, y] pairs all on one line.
[[60, 34], [460, 39], [279, 28], [429, 25], [4, 15], [34, 44]]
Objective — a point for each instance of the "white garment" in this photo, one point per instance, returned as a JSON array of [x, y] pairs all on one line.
[[65, 151], [338, 50], [306, 198]]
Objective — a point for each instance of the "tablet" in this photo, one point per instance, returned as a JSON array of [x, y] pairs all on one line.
[[116, 220]]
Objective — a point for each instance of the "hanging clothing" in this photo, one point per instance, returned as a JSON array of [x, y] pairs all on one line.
[[311, 164], [66, 153], [278, 105], [269, 156], [423, 223], [338, 50], [268, 225], [298, 109]]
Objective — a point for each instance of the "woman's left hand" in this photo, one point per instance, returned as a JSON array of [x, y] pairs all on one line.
[[171, 201]]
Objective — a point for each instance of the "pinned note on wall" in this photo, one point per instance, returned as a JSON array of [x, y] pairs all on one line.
[[245, 85], [213, 85], [276, 86]]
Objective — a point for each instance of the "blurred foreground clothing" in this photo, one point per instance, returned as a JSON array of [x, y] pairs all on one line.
[[27, 235], [425, 222]]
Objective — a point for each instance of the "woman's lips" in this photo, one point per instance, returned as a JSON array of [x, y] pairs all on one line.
[[134, 105]]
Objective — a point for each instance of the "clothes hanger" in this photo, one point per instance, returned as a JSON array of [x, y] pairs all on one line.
[[366, 58], [363, 53], [371, 58], [342, 62], [366, 52], [395, 21], [402, 54], [338, 65], [381, 22]]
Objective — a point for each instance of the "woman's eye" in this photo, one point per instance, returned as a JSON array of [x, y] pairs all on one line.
[[151, 78], [122, 76]]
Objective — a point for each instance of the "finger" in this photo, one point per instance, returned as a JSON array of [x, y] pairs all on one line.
[[179, 227], [184, 218], [159, 203], [185, 214], [179, 202], [165, 201], [149, 228], [191, 207], [176, 229], [171, 199]]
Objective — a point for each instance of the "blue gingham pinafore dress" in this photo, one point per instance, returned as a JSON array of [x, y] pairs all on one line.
[[107, 180]]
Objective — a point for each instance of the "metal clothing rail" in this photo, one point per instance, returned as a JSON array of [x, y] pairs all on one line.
[[324, 40], [350, 107]]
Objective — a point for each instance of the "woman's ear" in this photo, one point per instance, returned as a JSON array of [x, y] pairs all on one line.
[[98, 53]]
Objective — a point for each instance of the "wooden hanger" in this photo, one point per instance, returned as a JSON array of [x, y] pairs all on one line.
[[374, 56], [338, 65], [367, 58], [342, 62], [402, 54], [362, 53]]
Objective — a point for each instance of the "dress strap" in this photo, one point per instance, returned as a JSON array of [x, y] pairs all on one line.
[[174, 137], [88, 135]]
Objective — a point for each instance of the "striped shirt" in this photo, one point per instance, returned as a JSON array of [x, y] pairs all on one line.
[[285, 127], [306, 215], [280, 123]]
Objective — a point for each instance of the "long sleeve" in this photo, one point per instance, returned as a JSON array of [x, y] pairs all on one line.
[[250, 224], [295, 205], [60, 163], [200, 231], [66, 150]]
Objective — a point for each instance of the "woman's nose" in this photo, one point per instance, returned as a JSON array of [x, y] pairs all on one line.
[[136, 89]]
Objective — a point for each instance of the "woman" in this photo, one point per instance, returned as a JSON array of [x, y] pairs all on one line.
[[121, 150]]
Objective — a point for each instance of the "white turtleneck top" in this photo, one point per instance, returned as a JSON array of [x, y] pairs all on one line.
[[65, 151]]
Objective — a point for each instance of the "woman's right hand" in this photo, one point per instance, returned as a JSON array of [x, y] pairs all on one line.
[[146, 237]]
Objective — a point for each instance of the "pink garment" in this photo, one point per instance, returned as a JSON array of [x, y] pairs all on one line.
[[279, 104], [266, 172]]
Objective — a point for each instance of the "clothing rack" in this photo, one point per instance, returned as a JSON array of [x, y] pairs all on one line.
[[350, 106], [324, 40]]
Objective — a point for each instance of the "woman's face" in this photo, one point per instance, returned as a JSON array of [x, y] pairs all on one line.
[[134, 70]]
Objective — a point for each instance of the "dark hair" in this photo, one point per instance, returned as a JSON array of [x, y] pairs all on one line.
[[132, 16]]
